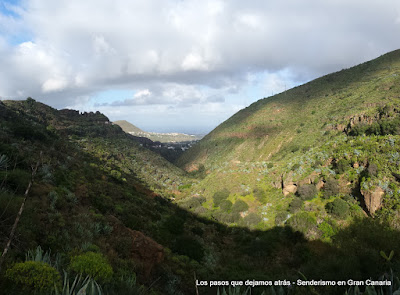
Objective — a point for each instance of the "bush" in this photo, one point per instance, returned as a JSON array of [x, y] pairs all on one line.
[[34, 275], [190, 247], [372, 169], [342, 165], [260, 195], [252, 219], [307, 192], [174, 224], [331, 188], [17, 180], [338, 208], [295, 205], [219, 196], [92, 264], [302, 222], [193, 202], [225, 205], [281, 217], [240, 206]]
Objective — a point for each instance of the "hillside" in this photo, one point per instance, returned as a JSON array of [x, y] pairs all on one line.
[[173, 137], [333, 138], [304, 184]]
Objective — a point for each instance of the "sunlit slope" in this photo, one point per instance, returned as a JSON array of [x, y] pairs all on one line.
[[300, 117]]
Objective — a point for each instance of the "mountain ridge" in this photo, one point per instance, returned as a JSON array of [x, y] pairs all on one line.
[[171, 137]]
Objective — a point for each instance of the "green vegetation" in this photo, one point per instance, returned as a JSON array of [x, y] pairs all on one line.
[[34, 276], [279, 189], [338, 207], [92, 264]]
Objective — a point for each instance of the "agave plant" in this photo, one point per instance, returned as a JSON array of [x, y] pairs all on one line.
[[43, 256], [87, 286]]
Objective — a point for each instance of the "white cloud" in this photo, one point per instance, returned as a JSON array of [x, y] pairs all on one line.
[[176, 49]]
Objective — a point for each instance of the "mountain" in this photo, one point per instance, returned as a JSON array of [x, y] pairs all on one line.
[[173, 137], [304, 184], [332, 139], [128, 127]]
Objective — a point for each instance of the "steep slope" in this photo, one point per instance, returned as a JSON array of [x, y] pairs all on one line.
[[337, 126], [300, 115]]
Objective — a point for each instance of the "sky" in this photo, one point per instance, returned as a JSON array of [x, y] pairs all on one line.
[[182, 65]]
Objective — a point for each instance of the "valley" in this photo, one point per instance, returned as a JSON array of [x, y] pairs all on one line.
[[300, 185]]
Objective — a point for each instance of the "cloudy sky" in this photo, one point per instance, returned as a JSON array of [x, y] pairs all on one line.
[[170, 65]]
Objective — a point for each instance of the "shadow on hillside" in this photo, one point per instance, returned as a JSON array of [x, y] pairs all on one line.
[[281, 253]]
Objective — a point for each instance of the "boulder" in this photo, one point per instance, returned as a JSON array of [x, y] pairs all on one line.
[[289, 188], [373, 199]]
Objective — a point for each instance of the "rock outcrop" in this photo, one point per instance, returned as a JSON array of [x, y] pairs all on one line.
[[373, 199], [289, 188]]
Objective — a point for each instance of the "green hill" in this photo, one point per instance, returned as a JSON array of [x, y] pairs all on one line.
[[341, 126]]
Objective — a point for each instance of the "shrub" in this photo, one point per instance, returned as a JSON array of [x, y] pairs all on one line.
[[92, 264], [240, 206], [281, 217], [34, 275], [307, 192], [302, 222], [252, 219], [18, 180], [190, 247], [193, 202], [260, 194], [338, 208], [174, 224], [295, 167], [331, 188], [327, 229], [342, 165], [372, 169], [225, 205], [295, 205], [219, 196]]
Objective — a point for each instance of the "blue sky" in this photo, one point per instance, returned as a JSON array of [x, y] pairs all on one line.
[[181, 66]]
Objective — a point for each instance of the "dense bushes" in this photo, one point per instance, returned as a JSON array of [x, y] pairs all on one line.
[[381, 127], [34, 276]]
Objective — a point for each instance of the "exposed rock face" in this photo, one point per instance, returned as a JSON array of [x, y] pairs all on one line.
[[289, 188], [373, 199], [320, 184]]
